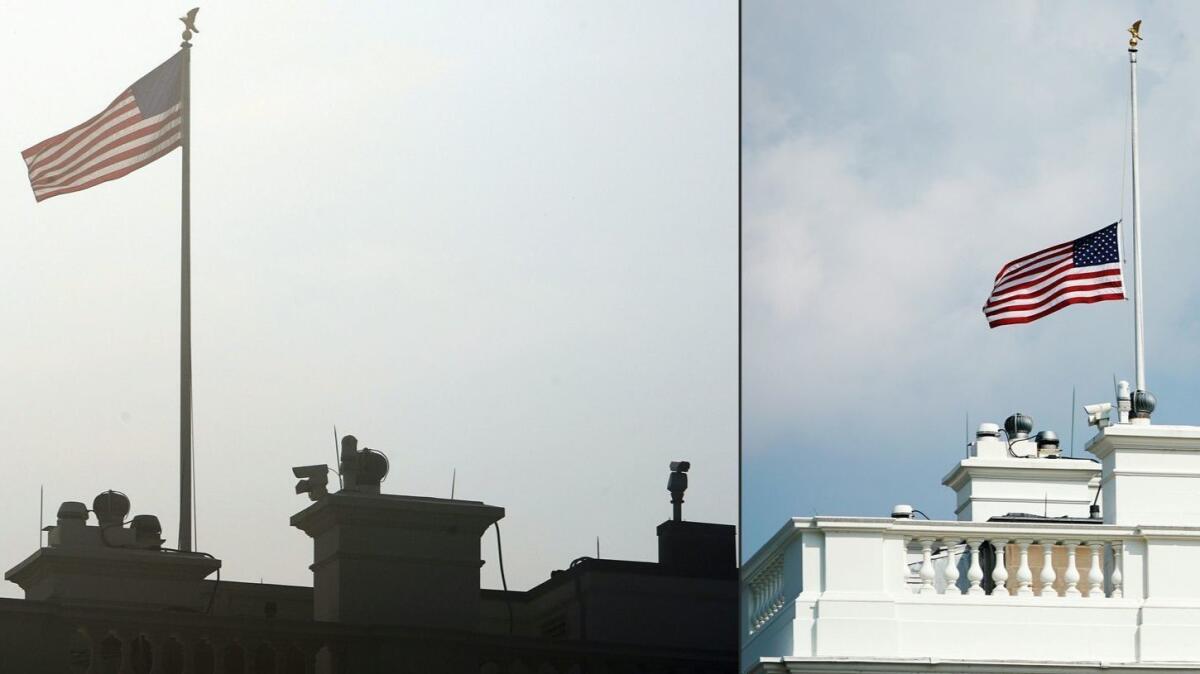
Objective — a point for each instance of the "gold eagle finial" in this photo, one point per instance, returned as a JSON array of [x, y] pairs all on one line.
[[189, 25], [1135, 34]]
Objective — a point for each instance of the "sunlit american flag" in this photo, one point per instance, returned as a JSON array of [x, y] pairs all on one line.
[[141, 125], [1082, 271]]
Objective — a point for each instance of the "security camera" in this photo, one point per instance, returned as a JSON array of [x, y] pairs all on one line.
[[681, 466], [315, 480], [1097, 415]]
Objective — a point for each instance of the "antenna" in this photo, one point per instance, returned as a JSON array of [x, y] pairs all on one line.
[[453, 479], [41, 511], [597, 547], [1072, 421], [337, 458], [967, 433]]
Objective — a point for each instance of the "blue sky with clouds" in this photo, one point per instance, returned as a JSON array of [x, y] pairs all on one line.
[[894, 156]]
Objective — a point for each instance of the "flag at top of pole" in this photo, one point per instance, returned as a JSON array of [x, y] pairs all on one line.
[[146, 121], [142, 124]]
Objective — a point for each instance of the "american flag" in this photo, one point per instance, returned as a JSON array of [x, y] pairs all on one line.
[[141, 125], [1082, 271]]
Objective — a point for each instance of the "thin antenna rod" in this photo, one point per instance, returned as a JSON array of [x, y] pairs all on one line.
[[41, 512], [1138, 324], [967, 434], [597, 547], [337, 458], [1072, 421], [453, 480]]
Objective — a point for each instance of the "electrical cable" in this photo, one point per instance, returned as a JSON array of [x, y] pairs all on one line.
[[503, 582]]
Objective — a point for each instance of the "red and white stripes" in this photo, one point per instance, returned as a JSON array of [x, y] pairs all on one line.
[[111, 144], [1041, 283]]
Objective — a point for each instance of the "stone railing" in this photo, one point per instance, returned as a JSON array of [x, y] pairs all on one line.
[[847, 587], [1001, 566], [42, 638], [765, 592]]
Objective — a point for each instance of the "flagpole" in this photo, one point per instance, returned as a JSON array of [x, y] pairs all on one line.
[[1138, 329], [185, 308]]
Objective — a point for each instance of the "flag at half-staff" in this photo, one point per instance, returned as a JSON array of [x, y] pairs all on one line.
[[146, 121], [1082, 271], [142, 124]]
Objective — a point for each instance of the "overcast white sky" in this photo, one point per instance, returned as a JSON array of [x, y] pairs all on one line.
[[497, 237], [895, 155]]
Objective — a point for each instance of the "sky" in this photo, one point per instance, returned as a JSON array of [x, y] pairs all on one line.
[[895, 155], [497, 239]]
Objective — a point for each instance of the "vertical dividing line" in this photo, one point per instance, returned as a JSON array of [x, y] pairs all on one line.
[[185, 317]]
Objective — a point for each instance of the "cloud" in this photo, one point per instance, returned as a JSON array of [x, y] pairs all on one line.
[[884, 185]]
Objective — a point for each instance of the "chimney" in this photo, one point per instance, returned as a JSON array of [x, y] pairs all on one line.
[[387, 559]]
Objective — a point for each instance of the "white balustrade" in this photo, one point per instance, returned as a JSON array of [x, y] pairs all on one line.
[[939, 570], [766, 592]]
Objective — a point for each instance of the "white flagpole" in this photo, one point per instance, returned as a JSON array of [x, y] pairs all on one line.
[[1138, 329], [185, 308]]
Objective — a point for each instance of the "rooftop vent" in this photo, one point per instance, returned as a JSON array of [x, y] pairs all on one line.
[[1047, 445], [110, 507], [1018, 426]]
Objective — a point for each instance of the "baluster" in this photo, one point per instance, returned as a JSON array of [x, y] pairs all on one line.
[[974, 571], [309, 651], [218, 651], [1000, 573], [187, 647], [1118, 577], [950, 575], [904, 563], [280, 656], [1047, 576], [927, 567], [126, 640], [157, 643], [1024, 574], [1095, 574], [95, 640], [1072, 574], [752, 606]]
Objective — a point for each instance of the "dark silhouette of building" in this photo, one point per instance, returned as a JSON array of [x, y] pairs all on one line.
[[395, 589]]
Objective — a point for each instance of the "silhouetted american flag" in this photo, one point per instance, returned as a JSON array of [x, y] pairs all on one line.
[[141, 125], [1082, 271]]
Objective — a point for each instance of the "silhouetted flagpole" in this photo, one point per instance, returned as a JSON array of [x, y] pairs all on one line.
[[185, 307]]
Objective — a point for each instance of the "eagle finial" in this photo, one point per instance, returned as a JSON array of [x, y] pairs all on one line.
[[1135, 34], [189, 24]]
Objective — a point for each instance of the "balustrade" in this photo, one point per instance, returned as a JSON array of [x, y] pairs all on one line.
[[133, 651], [1050, 570], [766, 592]]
